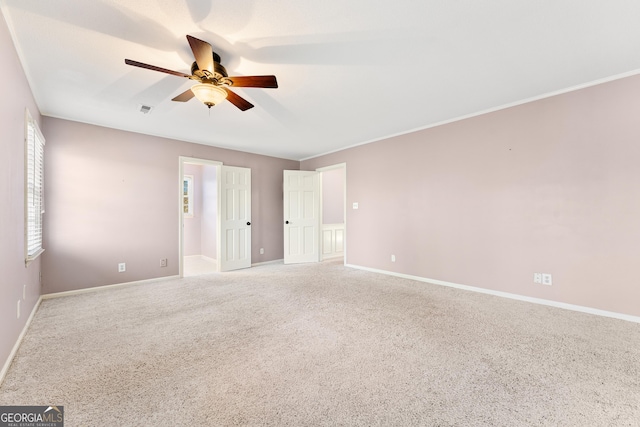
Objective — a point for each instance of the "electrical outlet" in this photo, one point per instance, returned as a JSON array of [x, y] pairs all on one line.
[[261, 251], [122, 267], [163, 262], [546, 279], [537, 277], [393, 258], [355, 205]]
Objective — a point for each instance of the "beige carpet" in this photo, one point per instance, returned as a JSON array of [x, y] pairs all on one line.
[[312, 345]]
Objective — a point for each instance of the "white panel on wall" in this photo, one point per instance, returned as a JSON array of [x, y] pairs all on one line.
[[339, 240], [327, 242], [332, 240]]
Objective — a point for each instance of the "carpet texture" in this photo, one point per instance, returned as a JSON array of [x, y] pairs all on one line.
[[323, 344]]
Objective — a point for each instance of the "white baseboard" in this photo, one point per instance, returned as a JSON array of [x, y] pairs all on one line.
[[106, 287], [202, 257], [275, 261], [16, 346], [573, 307], [206, 258]]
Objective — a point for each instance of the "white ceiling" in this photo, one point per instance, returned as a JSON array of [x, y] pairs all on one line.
[[350, 71]]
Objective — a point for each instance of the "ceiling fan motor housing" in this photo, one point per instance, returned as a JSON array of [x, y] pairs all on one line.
[[219, 72]]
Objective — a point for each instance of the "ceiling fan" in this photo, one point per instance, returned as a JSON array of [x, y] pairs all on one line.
[[214, 83]]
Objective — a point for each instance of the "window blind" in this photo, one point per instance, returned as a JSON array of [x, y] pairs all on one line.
[[34, 189]]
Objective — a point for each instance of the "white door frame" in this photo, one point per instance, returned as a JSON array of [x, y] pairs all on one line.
[[342, 166], [204, 162]]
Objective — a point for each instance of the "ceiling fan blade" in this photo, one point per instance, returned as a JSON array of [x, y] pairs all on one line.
[[238, 101], [154, 68], [255, 81], [203, 53], [184, 96]]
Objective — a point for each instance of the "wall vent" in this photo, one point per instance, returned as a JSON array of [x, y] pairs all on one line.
[[145, 109]]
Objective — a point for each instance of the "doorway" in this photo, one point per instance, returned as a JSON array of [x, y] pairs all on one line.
[[333, 200], [214, 216], [199, 217], [314, 214]]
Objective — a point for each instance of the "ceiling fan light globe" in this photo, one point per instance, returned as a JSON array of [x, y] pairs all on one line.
[[209, 94]]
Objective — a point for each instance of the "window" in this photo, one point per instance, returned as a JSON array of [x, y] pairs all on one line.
[[34, 188], [187, 196]]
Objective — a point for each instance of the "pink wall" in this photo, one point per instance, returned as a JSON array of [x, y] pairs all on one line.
[[209, 211], [549, 186], [193, 225], [333, 196], [112, 197], [16, 96]]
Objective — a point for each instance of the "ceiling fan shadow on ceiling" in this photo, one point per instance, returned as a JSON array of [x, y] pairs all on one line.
[[213, 81]]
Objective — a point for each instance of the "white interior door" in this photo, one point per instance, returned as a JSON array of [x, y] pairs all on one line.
[[235, 218], [301, 216]]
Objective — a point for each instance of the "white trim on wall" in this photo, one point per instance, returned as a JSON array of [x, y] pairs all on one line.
[[106, 287], [16, 346], [566, 306]]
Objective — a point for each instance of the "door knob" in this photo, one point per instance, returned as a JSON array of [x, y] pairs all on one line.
[[286, 222], [248, 223]]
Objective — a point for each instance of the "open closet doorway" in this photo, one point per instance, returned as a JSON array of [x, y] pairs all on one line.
[[199, 216], [314, 214], [333, 212]]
